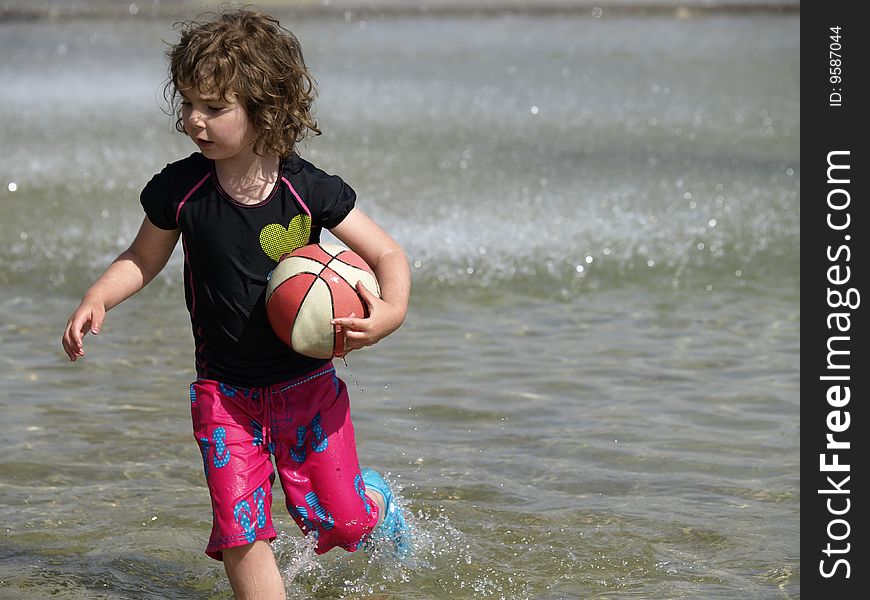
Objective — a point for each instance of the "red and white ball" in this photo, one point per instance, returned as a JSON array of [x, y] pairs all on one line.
[[311, 286]]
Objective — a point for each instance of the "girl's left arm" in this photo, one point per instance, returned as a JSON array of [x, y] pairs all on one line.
[[387, 259]]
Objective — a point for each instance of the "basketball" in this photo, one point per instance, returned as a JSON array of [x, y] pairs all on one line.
[[311, 286]]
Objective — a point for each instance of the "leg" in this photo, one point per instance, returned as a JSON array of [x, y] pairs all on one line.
[[253, 572], [318, 465], [237, 465], [378, 498]]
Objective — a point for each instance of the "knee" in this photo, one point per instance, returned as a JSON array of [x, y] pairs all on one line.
[[349, 533], [253, 572], [237, 554]]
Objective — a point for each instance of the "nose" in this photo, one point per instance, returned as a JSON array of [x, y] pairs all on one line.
[[195, 119]]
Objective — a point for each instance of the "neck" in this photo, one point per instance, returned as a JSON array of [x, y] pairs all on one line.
[[249, 181]]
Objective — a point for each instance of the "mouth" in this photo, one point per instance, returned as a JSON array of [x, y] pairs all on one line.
[[203, 144]]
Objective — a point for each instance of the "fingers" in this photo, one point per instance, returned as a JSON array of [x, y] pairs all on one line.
[[341, 327], [361, 332], [72, 340], [348, 322], [79, 324], [355, 332], [366, 294], [71, 353], [98, 315], [349, 344], [360, 323]]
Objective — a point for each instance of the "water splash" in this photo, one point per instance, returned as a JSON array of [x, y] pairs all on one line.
[[443, 560]]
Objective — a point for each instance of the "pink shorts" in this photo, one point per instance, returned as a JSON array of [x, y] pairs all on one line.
[[305, 424]]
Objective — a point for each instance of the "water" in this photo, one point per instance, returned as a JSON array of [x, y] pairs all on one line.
[[595, 394]]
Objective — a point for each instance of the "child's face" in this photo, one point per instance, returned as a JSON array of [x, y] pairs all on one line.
[[221, 128]]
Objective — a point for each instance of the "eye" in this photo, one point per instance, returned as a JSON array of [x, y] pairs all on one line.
[[216, 108]]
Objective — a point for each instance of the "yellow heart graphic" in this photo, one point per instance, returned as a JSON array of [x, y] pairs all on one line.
[[277, 240]]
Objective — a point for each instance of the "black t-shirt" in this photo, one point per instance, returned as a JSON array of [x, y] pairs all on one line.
[[229, 251]]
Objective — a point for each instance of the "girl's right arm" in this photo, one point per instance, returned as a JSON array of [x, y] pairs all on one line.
[[130, 272]]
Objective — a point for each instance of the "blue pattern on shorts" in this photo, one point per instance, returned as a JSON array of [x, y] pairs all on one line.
[[319, 441], [300, 513], [221, 452], [313, 516], [326, 520], [242, 514], [203, 447], [258, 433], [360, 488]]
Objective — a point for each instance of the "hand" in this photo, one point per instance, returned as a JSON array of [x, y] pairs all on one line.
[[88, 317], [383, 320]]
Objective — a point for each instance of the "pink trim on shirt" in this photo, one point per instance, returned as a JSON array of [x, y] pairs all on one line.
[[298, 199], [189, 194], [189, 279]]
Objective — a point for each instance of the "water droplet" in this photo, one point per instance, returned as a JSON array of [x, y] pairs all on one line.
[[535, 110], [597, 12], [12, 186], [589, 259]]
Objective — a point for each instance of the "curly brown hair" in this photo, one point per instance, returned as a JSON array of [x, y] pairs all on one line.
[[251, 55]]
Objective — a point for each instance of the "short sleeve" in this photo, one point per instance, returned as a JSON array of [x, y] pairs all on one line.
[[327, 196], [338, 200], [156, 199]]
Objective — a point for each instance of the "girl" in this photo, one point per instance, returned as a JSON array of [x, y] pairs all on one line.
[[242, 93]]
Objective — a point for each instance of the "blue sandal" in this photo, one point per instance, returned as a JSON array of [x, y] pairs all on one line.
[[393, 527]]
